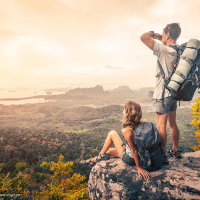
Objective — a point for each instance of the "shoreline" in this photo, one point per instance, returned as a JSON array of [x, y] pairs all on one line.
[[25, 98]]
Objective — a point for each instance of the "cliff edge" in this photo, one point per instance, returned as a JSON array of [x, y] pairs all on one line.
[[113, 179]]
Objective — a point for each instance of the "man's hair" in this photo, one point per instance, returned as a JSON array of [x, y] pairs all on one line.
[[174, 30]]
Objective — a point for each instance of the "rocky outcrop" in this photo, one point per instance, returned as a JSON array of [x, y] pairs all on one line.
[[150, 95], [93, 91], [122, 88], [112, 179]]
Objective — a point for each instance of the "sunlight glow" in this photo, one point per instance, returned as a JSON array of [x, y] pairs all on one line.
[[108, 47], [165, 8], [75, 41], [40, 45]]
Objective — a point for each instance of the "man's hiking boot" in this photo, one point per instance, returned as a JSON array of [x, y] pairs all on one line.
[[166, 162], [176, 154]]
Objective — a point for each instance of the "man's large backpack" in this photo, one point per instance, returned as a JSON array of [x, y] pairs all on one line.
[[185, 77], [149, 145]]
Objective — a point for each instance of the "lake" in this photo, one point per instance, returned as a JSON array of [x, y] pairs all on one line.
[[4, 94]]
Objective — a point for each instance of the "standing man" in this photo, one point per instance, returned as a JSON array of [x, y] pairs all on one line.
[[163, 104]]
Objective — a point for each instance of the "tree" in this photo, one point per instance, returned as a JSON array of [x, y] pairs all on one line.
[[21, 166], [63, 184], [16, 185], [196, 121]]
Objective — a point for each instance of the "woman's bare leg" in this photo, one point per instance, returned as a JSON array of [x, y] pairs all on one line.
[[113, 138], [113, 152]]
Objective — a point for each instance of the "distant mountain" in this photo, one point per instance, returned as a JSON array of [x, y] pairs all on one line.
[[145, 89], [93, 91], [122, 88], [150, 95], [80, 94], [97, 94], [58, 89]]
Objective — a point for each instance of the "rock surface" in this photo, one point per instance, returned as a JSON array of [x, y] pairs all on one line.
[[112, 179]]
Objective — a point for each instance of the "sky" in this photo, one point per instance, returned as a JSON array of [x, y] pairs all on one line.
[[84, 43]]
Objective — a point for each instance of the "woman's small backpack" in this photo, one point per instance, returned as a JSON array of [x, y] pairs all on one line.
[[149, 145]]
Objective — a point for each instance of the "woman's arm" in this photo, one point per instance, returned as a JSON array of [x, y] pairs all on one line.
[[128, 134]]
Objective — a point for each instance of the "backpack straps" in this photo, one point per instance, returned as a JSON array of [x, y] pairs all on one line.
[[191, 61], [197, 80], [161, 70], [149, 158], [163, 76], [178, 56], [148, 163], [181, 75], [166, 79]]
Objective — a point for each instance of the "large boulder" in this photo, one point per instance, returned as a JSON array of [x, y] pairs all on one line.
[[112, 179]]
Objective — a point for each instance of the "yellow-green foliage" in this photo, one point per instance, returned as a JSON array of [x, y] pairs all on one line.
[[16, 185], [1, 166], [196, 122], [62, 185], [21, 166]]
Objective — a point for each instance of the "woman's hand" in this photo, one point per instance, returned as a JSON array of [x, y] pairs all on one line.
[[143, 173]]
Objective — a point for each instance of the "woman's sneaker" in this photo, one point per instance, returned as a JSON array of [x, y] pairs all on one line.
[[176, 154]]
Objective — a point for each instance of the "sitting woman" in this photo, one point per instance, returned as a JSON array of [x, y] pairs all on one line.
[[129, 154]]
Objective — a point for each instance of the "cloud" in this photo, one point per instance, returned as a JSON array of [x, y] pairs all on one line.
[[42, 72], [110, 67], [7, 34]]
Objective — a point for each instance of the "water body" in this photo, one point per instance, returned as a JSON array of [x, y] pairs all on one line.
[[12, 94]]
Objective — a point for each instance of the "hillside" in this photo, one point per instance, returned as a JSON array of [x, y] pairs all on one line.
[[93, 91]]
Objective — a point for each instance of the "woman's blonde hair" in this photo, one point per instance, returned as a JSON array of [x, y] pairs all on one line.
[[132, 115]]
